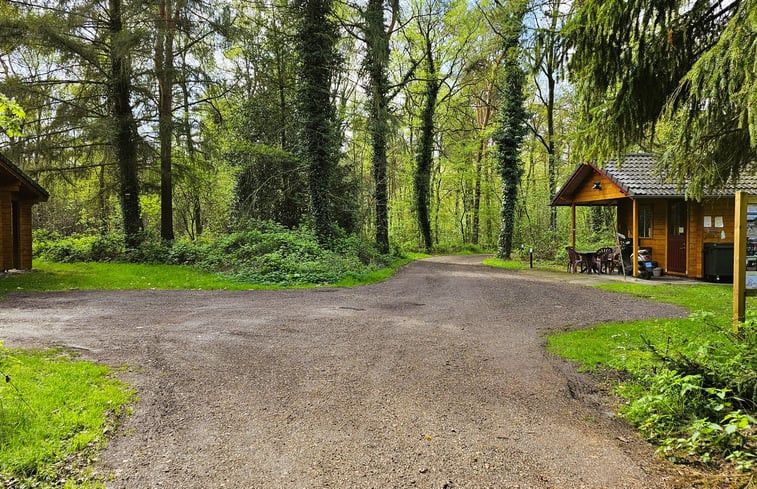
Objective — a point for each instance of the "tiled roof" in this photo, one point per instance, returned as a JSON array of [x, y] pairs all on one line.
[[638, 177]]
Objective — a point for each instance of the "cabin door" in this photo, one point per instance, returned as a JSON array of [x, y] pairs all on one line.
[[677, 224]]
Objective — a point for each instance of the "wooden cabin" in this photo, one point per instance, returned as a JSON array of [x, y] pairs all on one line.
[[686, 238], [18, 193]]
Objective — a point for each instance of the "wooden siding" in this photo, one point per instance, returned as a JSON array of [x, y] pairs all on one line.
[[658, 241], [6, 232], [25, 230], [586, 193], [697, 234], [700, 235]]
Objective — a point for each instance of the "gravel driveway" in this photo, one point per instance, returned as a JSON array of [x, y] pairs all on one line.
[[435, 378]]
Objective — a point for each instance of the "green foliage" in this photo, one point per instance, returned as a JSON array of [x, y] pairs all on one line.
[[691, 384], [265, 253], [54, 412], [11, 116], [276, 256], [271, 183], [683, 68], [701, 404]]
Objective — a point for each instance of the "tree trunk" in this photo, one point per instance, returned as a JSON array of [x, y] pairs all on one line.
[[164, 68], [317, 38], [377, 41], [425, 150], [511, 130], [483, 114], [125, 130]]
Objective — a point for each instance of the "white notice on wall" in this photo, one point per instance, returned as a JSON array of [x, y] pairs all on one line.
[[718, 221], [708, 221]]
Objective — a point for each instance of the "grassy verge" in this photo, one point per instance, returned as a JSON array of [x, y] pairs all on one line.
[[55, 413], [690, 384], [516, 264], [506, 264], [50, 276], [623, 345], [381, 274]]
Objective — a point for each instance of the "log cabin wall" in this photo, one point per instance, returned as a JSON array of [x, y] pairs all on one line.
[[699, 235], [6, 231], [658, 238], [25, 235]]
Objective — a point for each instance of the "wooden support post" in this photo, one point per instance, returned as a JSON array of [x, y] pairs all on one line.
[[573, 224], [635, 232], [739, 259]]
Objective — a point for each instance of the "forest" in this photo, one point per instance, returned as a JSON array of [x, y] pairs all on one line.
[[166, 128]]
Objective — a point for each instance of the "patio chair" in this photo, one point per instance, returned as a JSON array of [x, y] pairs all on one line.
[[601, 259], [613, 261], [574, 260]]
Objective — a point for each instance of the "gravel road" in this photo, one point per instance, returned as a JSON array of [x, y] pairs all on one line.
[[434, 378]]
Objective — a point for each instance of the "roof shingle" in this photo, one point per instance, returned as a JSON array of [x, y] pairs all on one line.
[[639, 178]]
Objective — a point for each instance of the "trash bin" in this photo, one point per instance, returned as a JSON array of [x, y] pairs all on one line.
[[718, 262]]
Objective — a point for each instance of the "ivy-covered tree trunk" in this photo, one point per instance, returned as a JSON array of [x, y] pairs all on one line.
[[424, 157], [316, 43], [509, 135], [376, 61], [125, 129]]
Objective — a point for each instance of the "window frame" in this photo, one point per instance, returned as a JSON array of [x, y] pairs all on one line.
[[645, 232]]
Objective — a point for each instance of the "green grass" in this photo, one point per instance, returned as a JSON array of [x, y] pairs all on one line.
[[381, 274], [506, 264], [55, 411], [621, 346], [49, 276]]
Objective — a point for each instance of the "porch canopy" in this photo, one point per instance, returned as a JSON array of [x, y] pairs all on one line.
[[653, 211]]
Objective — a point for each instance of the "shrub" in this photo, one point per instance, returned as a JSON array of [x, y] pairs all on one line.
[[264, 253], [700, 404]]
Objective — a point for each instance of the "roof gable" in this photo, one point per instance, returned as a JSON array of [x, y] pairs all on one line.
[[637, 177], [27, 186]]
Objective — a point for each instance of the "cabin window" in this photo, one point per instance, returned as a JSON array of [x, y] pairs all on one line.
[[645, 221]]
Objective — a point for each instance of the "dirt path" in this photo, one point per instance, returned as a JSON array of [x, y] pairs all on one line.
[[434, 378]]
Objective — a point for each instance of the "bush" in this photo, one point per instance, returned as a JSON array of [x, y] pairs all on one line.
[[700, 404], [264, 253]]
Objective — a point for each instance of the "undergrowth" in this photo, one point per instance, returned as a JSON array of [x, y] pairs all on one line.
[[264, 253], [690, 385], [699, 400]]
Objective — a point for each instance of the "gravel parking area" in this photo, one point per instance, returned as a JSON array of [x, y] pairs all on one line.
[[434, 378]]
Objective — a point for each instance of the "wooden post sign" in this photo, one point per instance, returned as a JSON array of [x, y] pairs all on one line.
[[744, 255]]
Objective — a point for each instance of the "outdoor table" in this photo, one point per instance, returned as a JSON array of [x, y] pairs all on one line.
[[588, 260]]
